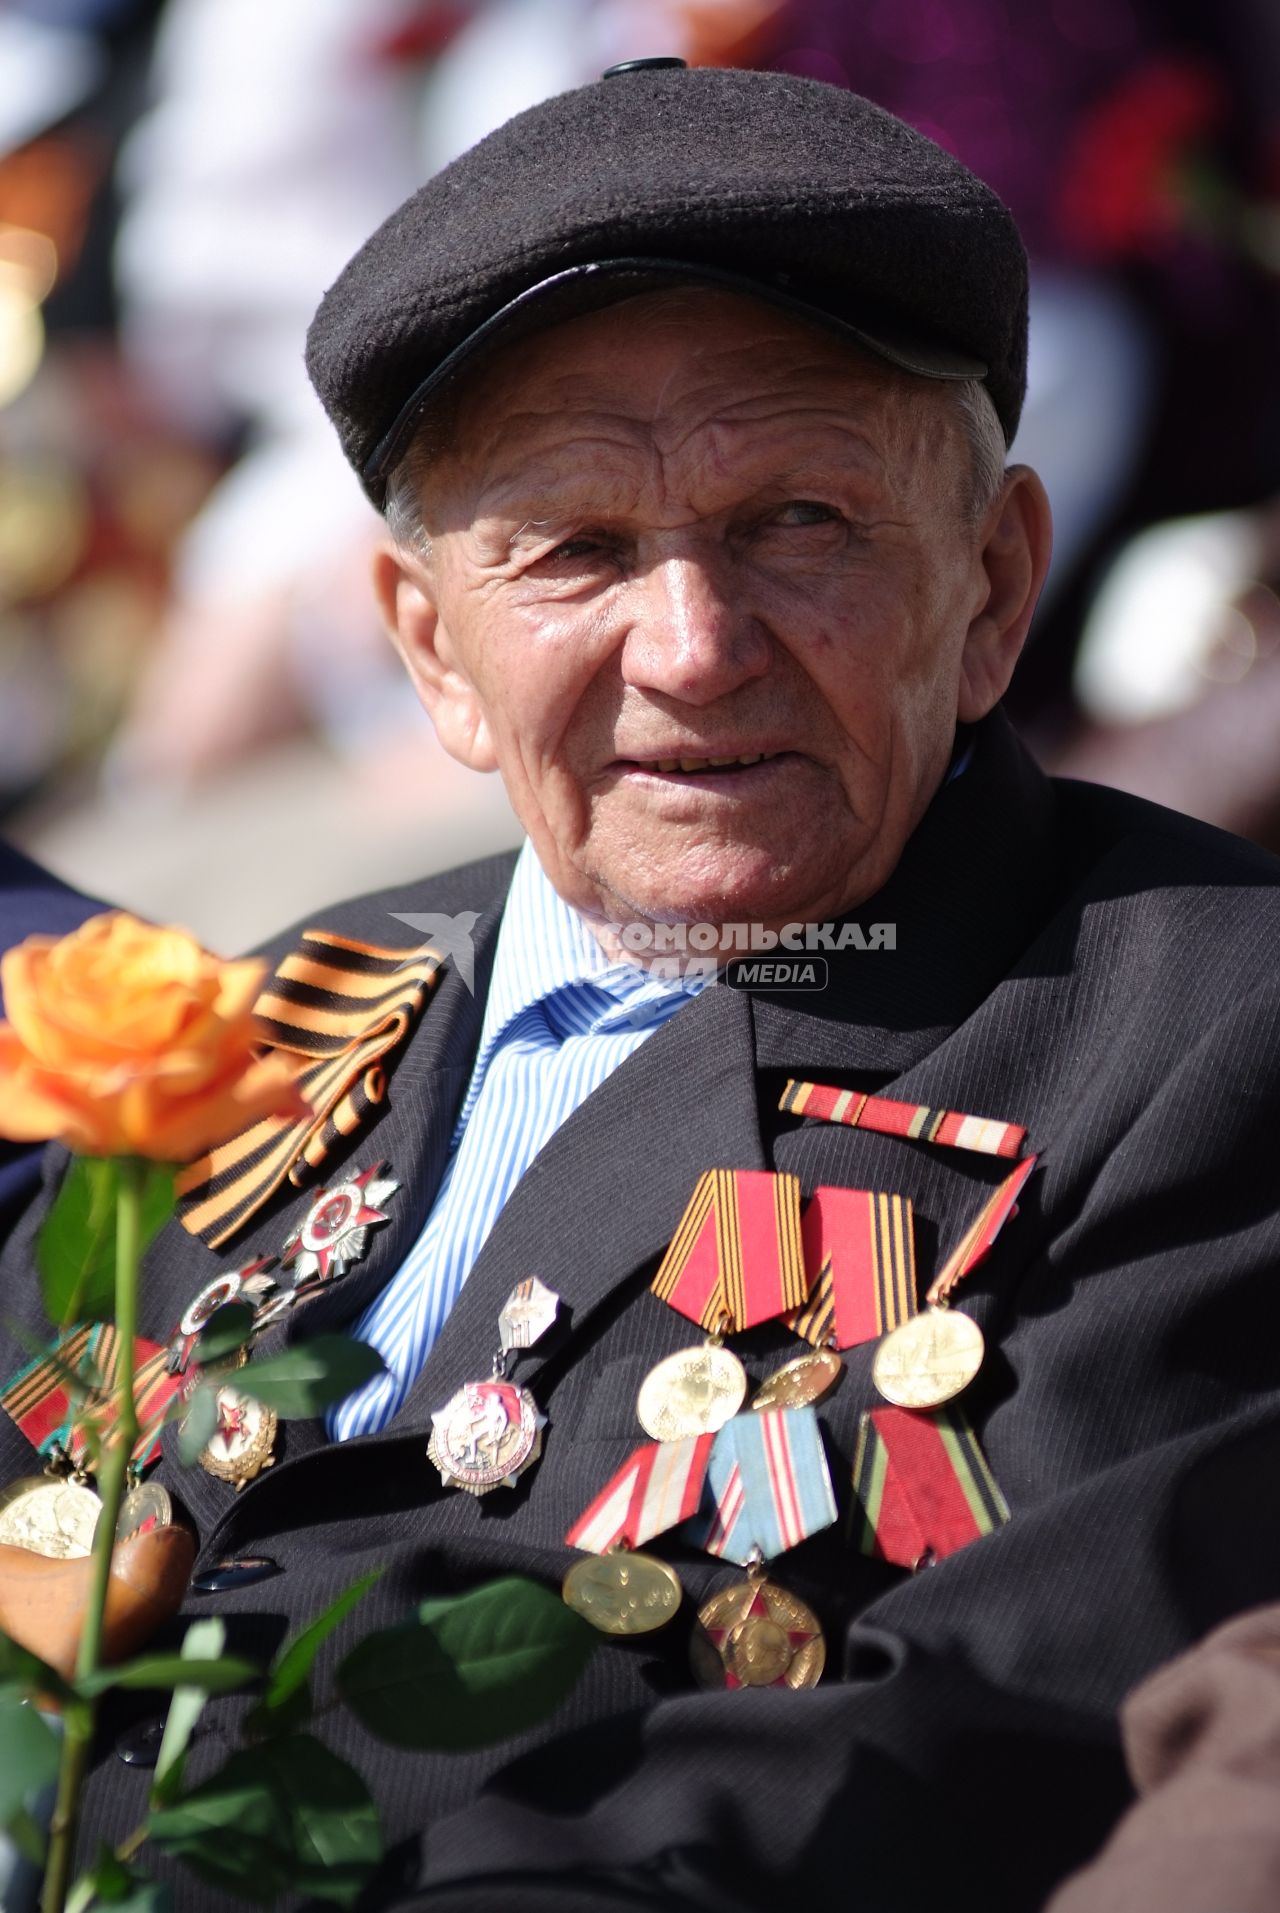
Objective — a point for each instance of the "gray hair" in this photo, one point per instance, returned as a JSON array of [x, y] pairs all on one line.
[[973, 410]]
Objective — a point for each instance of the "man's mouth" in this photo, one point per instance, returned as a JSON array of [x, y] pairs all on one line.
[[696, 766]]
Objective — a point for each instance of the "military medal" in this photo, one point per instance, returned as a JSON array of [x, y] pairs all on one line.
[[490, 1432], [768, 1488], [693, 1392], [334, 1233], [243, 1442], [761, 1635], [145, 1508], [735, 1260], [928, 1360], [618, 1590], [807, 1379], [54, 1515], [248, 1284], [622, 1592]]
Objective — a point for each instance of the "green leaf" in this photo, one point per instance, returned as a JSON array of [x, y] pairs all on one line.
[[225, 1333], [21, 1669], [470, 1670], [203, 1641], [28, 1755], [29, 1838], [309, 1378], [76, 1248], [281, 1705], [111, 1883], [171, 1670], [199, 1423], [285, 1814]]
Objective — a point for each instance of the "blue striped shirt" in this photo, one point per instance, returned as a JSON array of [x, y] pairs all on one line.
[[559, 1019]]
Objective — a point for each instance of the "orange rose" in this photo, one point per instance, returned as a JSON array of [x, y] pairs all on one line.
[[128, 1040]]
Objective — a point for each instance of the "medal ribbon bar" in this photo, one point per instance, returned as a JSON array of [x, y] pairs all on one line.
[[768, 1486], [736, 1258], [859, 1248], [923, 1485], [916, 1121], [660, 1486]]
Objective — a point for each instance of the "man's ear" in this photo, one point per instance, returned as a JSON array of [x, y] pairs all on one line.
[[407, 599], [1016, 542]]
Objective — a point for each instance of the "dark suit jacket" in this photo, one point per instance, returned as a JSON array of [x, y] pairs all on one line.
[[32, 901], [1097, 969]]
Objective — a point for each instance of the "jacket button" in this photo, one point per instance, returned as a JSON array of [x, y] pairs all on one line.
[[224, 1575], [140, 1746]]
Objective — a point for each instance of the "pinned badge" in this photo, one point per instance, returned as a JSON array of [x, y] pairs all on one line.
[[334, 1233], [243, 1443], [490, 1432], [485, 1436], [249, 1284]]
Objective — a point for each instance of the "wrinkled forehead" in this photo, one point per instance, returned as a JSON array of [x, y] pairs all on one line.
[[663, 371]]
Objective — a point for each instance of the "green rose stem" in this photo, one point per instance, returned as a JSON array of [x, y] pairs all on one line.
[[116, 1455]]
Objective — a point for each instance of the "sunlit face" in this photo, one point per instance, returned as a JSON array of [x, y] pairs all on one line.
[[704, 588]]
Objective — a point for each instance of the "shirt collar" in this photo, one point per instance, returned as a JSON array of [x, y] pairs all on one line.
[[544, 944]]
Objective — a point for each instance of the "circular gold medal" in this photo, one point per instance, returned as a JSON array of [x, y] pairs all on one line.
[[807, 1379], [145, 1507], [49, 1515], [694, 1392], [622, 1592], [929, 1359], [762, 1637]]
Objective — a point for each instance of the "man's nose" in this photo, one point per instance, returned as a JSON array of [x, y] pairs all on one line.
[[691, 636]]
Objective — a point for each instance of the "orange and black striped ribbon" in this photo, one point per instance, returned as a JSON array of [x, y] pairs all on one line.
[[50, 1411], [981, 1233], [916, 1121], [737, 1257], [342, 1007], [859, 1249], [922, 1485]]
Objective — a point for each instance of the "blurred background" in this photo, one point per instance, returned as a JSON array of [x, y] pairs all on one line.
[[199, 717]]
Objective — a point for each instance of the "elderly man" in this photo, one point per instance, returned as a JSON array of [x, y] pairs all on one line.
[[686, 396]]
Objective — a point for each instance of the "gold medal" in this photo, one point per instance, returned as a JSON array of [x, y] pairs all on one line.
[[929, 1359], [49, 1515], [621, 1592], [761, 1636], [693, 1392], [807, 1379], [143, 1509]]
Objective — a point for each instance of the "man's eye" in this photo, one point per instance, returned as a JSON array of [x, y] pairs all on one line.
[[804, 511], [581, 547]]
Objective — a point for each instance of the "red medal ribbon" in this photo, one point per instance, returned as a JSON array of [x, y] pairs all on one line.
[[982, 1232], [660, 1486], [737, 1257], [859, 1249], [916, 1121], [923, 1486]]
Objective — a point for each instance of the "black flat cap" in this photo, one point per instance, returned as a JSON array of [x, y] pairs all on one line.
[[787, 188]]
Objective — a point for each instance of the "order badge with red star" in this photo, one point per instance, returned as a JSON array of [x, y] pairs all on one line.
[[334, 1233], [243, 1442], [761, 1636]]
